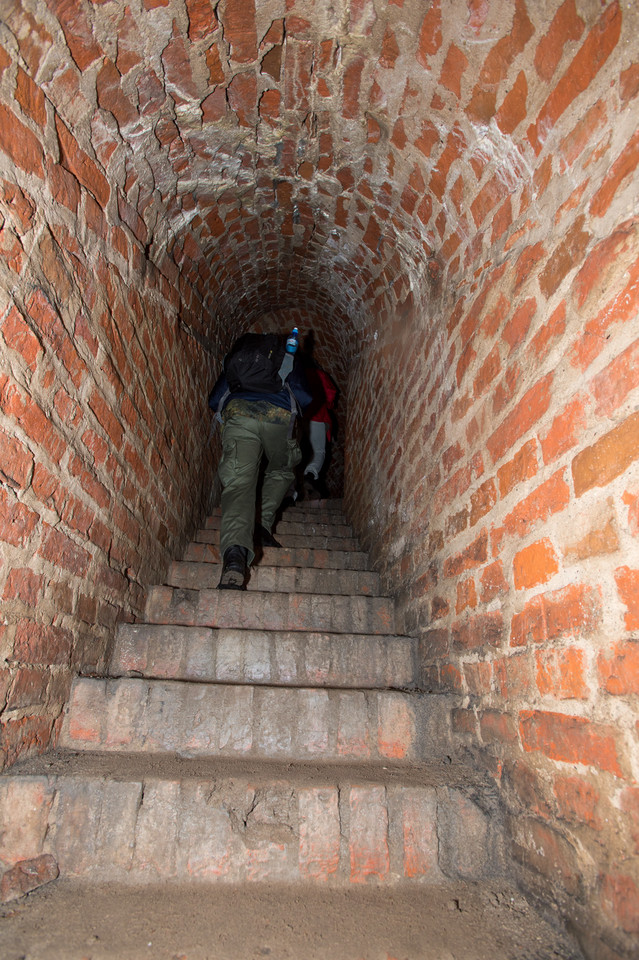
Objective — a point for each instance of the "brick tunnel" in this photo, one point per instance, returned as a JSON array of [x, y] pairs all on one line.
[[445, 193]]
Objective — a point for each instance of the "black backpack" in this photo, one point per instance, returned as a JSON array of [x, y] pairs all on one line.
[[254, 362]]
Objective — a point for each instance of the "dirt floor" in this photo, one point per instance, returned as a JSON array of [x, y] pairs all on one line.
[[65, 921]]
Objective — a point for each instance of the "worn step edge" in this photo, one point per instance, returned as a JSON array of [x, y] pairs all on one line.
[[191, 575], [287, 658], [265, 722], [302, 526], [294, 541], [308, 557], [270, 611], [235, 828]]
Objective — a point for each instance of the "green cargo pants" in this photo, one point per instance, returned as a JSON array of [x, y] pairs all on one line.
[[244, 440]]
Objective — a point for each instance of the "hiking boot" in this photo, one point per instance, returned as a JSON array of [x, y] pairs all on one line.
[[313, 488], [264, 537], [233, 569]]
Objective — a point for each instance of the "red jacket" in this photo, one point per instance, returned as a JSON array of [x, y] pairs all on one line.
[[324, 393]]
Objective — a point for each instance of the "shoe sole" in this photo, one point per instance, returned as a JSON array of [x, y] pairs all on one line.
[[231, 580]]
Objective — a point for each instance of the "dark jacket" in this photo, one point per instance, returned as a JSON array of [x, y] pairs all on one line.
[[296, 381]]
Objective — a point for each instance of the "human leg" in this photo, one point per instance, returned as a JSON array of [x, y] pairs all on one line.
[[283, 455], [238, 472], [317, 437]]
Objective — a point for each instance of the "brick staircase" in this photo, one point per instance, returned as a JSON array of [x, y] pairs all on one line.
[[273, 734], [269, 735]]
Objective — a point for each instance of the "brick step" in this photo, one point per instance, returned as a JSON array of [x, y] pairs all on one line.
[[256, 610], [264, 657], [292, 541], [262, 722], [298, 527], [199, 576], [150, 821], [327, 511], [275, 557], [453, 919]]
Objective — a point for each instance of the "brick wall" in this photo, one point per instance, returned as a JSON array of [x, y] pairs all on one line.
[[104, 460], [493, 457], [447, 194]]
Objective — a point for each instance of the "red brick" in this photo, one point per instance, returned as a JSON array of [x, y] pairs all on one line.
[[611, 387], [513, 676], [513, 108], [497, 64], [473, 555], [493, 582], [17, 522], [28, 688], [430, 34], [24, 585], [517, 327], [41, 644], [60, 550], [466, 595], [488, 372], [630, 82], [570, 739], [463, 722], [563, 259], [602, 538], [490, 196], [242, 98], [522, 467], [620, 899], [535, 564], [16, 462], [478, 677], [77, 31], [519, 421], [482, 501], [425, 142], [240, 30], [81, 165], [106, 418], [566, 430], [625, 165], [583, 135], [453, 70], [628, 586], [19, 143], [352, 82], [577, 801], [561, 673], [619, 672], [621, 309], [502, 220], [497, 727], [585, 66], [610, 456], [566, 25], [481, 630], [27, 875], [549, 498], [570, 612], [31, 98], [601, 268]]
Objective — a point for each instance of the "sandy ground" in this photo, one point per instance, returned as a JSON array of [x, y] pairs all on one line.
[[65, 921]]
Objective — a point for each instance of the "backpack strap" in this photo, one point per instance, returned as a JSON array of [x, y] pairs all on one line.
[[220, 406], [294, 412]]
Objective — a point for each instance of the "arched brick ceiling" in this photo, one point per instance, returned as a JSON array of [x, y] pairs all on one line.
[[329, 153]]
